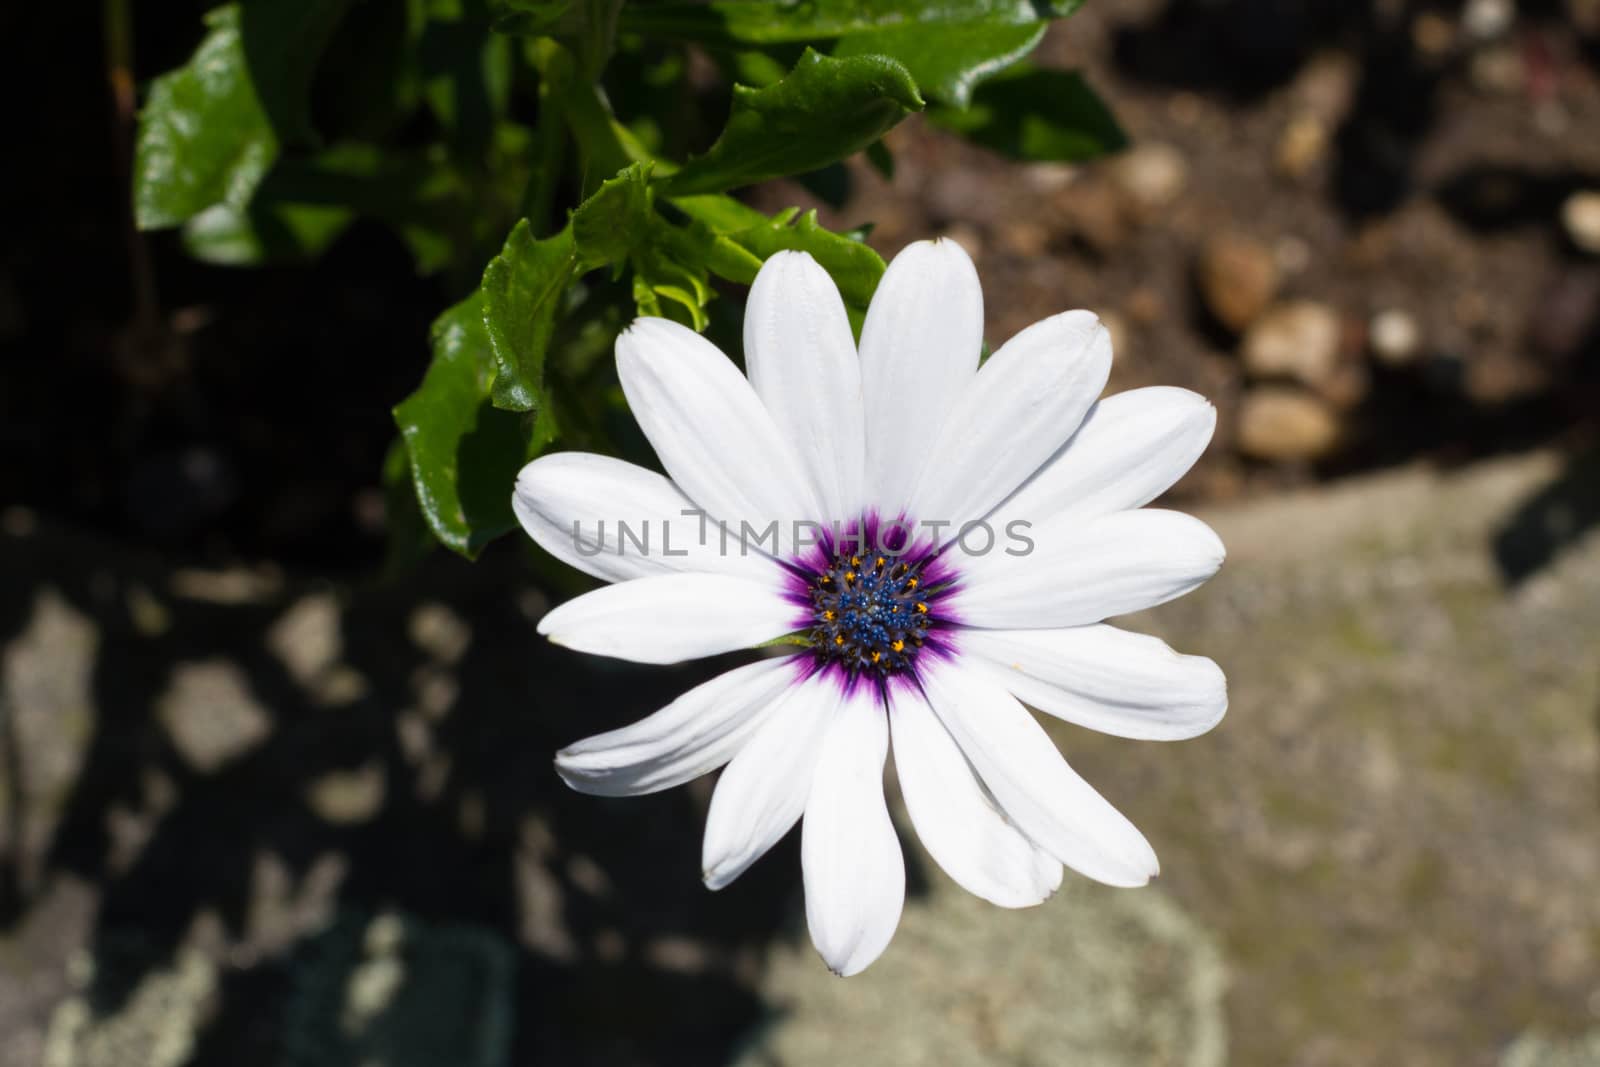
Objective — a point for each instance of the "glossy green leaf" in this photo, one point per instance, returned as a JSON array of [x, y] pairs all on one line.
[[1039, 115], [732, 22], [854, 266], [825, 110], [588, 27], [210, 130], [264, 232], [882, 159], [949, 59], [304, 204], [466, 79], [522, 292], [616, 219], [464, 453]]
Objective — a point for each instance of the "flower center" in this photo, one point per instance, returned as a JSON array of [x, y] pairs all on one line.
[[869, 614]]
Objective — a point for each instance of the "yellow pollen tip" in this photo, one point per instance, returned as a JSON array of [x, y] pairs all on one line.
[[899, 646], [876, 656], [855, 561], [911, 583], [849, 576], [828, 615], [838, 639], [879, 563], [922, 609]]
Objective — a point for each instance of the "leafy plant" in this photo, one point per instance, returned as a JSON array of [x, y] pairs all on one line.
[[568, 164]]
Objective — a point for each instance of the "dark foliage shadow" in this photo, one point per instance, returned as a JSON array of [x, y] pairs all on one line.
[[1491, 199], [620, 954], [1239, 48], [1554, 517]]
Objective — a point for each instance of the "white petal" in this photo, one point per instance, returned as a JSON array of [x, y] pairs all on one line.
[[672, 618], [1028, 399], [1032, 783], [801, 358], [762, 793], [1127, 684], [919, 351], [695, 734], [617, 521], [855, 876], [1083, 572], [1130, 449], [955, 817], [712, 433]]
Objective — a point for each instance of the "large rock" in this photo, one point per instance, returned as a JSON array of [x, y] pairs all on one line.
[[1389, 846], [1094, 976]]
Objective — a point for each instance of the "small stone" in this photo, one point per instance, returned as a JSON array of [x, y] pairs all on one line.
[[1151, 177], [1395, 337], [1486, 19], [1298, 340], [1027, 239], [1291, 253], [1347, 387], [1278, 422], [1432, 34], [1326, 86], [1186, 108], [1303, 145], [1498, 71], [1580, 214], [1093, 213], [1048, 177], [1145, 306], [1238, 278]]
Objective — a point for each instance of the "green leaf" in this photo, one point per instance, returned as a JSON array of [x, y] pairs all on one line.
[[722, 214], [825, 110], [734, 22], [264, 232], [1039, 115], [882, 159], [304, 204], [616, 219], [589, 27], [522, 292], [210, 130], [949, 59], [466, 79], [855, 267], [464, 453]]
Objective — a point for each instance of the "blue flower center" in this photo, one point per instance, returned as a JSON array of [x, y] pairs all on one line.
[[869, 614]]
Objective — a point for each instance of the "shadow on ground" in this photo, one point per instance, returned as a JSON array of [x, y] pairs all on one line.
[[267, 775]]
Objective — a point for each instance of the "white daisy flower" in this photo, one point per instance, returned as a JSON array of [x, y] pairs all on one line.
[[933, 544]]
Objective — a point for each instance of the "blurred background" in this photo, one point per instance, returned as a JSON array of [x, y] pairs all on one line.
[[268, 799]]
